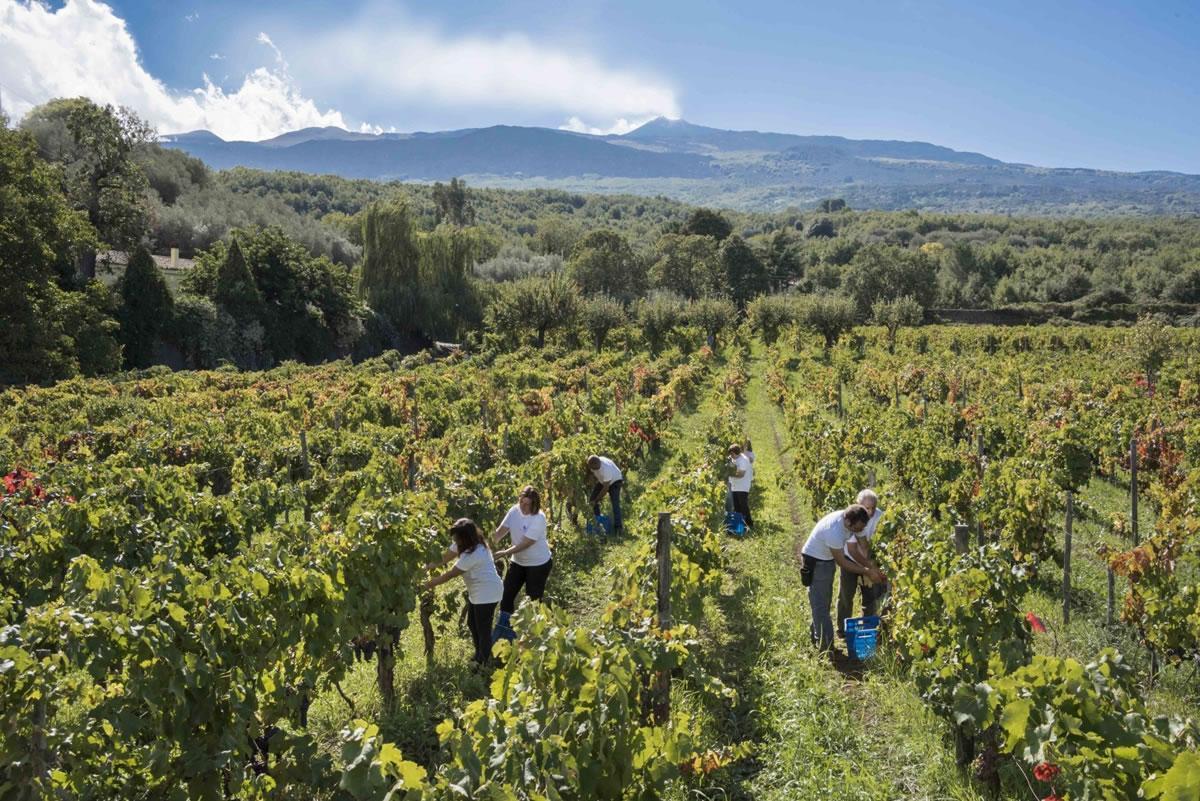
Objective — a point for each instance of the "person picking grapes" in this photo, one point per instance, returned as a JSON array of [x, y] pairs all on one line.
[[858, 550], [741, 475], [609, 479], [476, 565], [822, 555], [525, 524]]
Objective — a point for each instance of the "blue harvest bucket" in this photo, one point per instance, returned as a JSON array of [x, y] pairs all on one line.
[[503, 629], [735, 523], [601, 525]]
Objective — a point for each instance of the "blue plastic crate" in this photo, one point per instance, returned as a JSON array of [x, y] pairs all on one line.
[[861, 644], [861, 623], [599, 526], [735, 524], [862, 636]]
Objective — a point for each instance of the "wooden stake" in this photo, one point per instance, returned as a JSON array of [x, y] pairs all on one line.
[[1133, 489], [1066, 585], [662, 680], [962, 533], [1112, 582]]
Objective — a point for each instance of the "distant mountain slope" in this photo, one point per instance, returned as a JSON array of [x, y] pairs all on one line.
[[743, 169]]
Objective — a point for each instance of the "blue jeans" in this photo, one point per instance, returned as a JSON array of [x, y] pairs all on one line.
[[820, 597], [614, 497]]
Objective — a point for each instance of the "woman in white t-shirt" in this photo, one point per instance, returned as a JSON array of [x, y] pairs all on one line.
[[525, 524], [478, 568]]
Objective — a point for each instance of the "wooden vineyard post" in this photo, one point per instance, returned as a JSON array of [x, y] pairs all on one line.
[[306, 468], [1066, 585], [979, 453], [896, 391], [841, 409], [871, 478], [662, 680], [1133, 489], [427, 625], [962, 537], [385, 666], [1112, 581]]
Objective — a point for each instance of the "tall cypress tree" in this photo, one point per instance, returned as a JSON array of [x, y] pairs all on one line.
[[236, 291], [146, 306]]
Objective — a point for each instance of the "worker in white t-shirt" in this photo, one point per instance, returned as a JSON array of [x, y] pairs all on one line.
[[525, 524], [822, 554], [858, 550], [609, 479], [741, 474], [476, 565]]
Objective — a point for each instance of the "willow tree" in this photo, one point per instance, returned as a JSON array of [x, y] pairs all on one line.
[[390, 282]]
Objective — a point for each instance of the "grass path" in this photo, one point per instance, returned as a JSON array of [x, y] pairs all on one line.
[[819, 733]]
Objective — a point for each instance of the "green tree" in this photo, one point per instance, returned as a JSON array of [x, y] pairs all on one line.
[[782, 259], [95, 146], [880, 272], [687, 265], [389, 281], [770, 314], [46, 332], [554, 235], [658, 315], [744, 272], [895, 314], [600, 315], [604, 263], [235, 289], [449, 304], [827, 315], [146, 308], [453, 204], [711, 315], [706, 222], [540, 304]]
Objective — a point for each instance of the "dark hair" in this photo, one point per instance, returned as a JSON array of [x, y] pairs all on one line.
[[535, 499], [466, 535], [855, 514], [735, 449], [593, 462]]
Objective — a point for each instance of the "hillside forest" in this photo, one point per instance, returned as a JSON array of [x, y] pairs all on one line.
[[291, 266]]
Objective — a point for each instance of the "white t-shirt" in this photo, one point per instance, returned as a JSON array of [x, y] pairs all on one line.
[[479, 571], [741, 462], [828, 535], [528, 527], [864, 535], [607, 472]]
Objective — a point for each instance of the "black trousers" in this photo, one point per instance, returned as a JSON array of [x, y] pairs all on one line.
[[532, 578], [479, 621], [741, 503]]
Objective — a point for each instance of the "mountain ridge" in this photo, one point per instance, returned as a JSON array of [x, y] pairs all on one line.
[[696, 163]]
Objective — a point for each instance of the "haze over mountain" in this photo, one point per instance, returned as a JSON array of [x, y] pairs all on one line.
[[695, 163]]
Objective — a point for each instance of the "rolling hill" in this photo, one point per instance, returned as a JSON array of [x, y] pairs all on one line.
[[711, 166]]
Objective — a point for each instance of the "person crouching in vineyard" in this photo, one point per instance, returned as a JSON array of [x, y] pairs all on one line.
[[742, 474], [858, 550], [525, 524], [822, 554], [608, 479], [478, 569]]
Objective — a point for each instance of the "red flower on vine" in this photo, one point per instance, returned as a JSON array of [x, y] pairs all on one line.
[[1035, 623], [1045, 771]]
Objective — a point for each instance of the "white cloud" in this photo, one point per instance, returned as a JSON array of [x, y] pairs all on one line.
[[620, 126], [192, 17], [392, 58], [84, 48], [216, 57]]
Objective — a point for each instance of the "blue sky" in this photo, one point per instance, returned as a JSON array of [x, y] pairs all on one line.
[[1095, 84]]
